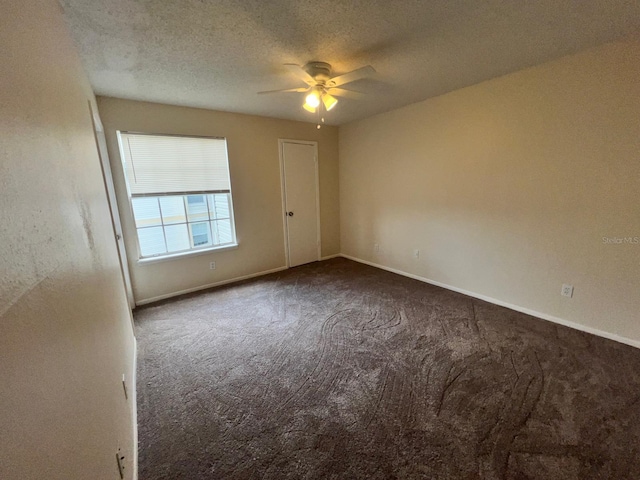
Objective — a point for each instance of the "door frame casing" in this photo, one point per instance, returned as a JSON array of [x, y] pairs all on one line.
[[283, 193]]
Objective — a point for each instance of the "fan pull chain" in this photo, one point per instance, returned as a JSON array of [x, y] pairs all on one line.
[[320, 117]]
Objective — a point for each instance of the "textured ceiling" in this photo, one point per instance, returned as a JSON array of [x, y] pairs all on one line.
[[219, 54]]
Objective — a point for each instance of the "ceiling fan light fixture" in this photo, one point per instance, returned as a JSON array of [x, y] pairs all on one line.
[[313, 99], [308, 108], [329, 101]]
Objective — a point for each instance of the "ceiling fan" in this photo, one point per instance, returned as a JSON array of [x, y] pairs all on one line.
[[321, 86]]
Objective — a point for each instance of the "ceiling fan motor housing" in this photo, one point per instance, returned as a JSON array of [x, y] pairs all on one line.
[[320, 71]]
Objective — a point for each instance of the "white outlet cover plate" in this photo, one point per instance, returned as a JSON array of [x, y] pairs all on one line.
[[567, 290]]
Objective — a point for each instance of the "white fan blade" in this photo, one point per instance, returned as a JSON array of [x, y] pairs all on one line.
[[341, 92], [351, 76], [301, 89], [300, 72]]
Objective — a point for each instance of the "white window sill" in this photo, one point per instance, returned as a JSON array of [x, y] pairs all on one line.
[[192, 253]]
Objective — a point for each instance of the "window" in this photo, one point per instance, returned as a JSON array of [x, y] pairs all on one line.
[[180, 192]]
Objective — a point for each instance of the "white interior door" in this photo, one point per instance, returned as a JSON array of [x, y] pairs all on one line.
[[299, 161], [101, 143]]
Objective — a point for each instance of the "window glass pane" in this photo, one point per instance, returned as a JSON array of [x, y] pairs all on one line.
[[200, 234], [172, 209], [212, 206], [219, 205], [195, 199], [177, 238], [214, 232], [151, 241], [146, 211], [223, 231], [197, 208], [222, 205]]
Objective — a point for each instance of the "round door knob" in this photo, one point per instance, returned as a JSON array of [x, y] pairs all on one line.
[[290, 214]]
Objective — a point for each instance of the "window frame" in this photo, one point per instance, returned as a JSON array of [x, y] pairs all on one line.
[[193, 250]]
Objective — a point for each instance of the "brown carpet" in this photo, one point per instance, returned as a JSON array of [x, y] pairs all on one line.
[[336, 370]]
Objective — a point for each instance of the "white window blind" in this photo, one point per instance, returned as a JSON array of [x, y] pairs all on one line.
[[157, 164]]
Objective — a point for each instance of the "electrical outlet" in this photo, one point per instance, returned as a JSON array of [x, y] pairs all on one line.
[[120, 460], [416, 254], [567, 290], [212, 265], [124, 386], [376, 247]]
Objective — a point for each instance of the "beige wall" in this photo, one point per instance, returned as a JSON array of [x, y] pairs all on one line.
[[508, 188], [65, 330], [252, 144]]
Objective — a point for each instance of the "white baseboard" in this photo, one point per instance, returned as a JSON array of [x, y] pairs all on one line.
[[134, 405], [329, 257], [145, 301], [495, 301]]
